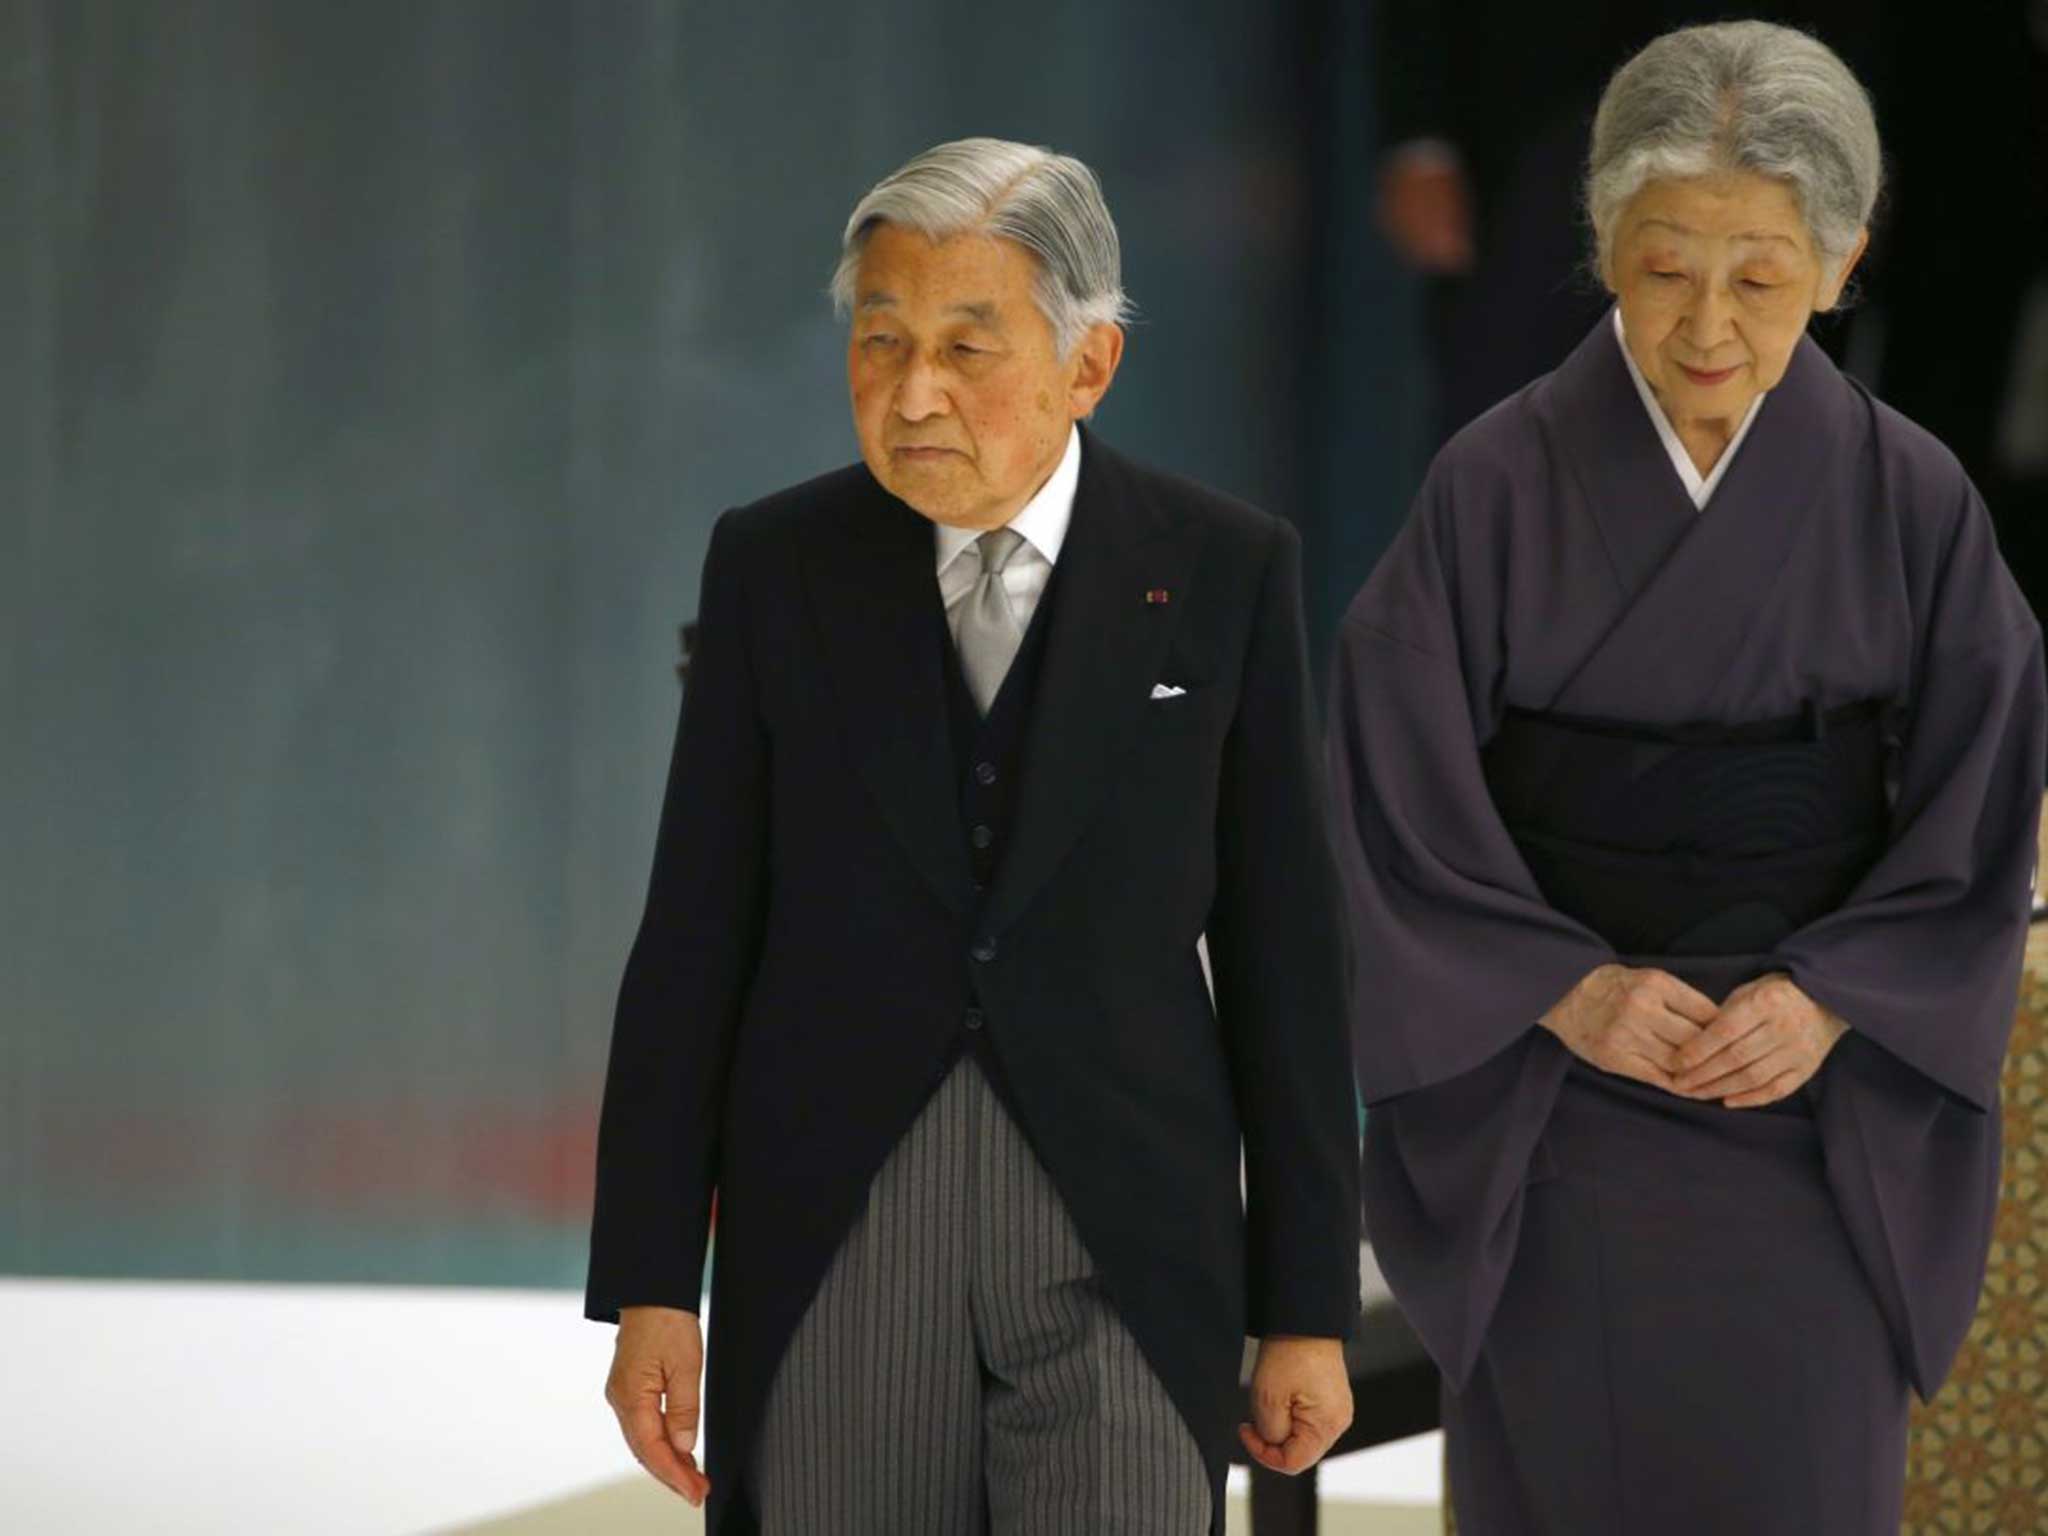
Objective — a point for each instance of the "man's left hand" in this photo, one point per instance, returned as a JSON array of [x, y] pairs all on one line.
[[1301, 1403]]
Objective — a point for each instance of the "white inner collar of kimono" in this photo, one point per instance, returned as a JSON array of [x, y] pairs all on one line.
[[1043, 519], [1688, 472]]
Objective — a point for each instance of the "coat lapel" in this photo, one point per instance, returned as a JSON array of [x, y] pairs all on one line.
[[873, 592], [1691, 584], [1103, 654]]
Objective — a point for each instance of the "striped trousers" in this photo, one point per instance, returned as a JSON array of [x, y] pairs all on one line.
[[960, 1371]]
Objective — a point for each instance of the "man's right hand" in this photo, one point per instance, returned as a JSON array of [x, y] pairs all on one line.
[[1631, 1022], [656, 1363]]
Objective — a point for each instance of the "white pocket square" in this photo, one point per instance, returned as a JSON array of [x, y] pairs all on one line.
[[1166, 691]]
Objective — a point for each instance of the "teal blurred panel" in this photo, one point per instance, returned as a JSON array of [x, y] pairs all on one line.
[[374, 375]]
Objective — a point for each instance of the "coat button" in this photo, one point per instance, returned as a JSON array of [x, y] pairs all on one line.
[[984, 773], [981, 836], [975, 1018], [984, 949]]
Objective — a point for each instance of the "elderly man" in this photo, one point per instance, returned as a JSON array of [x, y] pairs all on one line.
[[983, 734]]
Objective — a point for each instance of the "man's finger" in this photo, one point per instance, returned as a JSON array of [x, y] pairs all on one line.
[[647, 1439], [1300, 1450], [679, 1417], [1267, 1456], [1272, 1414]]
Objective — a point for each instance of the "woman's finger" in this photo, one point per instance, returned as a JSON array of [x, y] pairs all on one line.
[[1731, 1061], [1635, 1038], [1672, 1029], [1747, 1078], [1629, 1062], [1783, 1086], [1684, 999], [1736, 1022]]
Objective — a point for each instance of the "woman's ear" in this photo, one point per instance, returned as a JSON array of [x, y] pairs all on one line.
[[1831, 292]]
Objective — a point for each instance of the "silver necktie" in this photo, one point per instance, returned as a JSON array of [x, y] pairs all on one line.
[[985, 627]]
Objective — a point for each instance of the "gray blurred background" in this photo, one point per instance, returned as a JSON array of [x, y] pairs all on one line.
[[373, 374]]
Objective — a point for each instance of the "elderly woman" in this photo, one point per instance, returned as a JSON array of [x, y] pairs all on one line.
[[1688, 745]]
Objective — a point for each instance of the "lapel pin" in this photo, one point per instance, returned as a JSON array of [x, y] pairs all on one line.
[[1155, 595]]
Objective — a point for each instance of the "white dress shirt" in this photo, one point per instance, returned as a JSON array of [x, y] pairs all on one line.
[[1699, 489], [1043, 524]]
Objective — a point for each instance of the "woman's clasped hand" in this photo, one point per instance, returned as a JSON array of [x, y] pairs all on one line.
[[1760, 1045]]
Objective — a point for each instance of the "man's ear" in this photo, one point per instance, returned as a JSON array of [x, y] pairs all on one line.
[[1096, 356]]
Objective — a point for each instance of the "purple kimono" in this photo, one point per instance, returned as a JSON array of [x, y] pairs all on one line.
[[1656, 1314]]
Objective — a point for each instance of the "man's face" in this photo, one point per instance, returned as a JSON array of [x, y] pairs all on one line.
[[960, 397]]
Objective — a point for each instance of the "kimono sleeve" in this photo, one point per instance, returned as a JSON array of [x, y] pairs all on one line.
[[1458, 954], [1923, 959]]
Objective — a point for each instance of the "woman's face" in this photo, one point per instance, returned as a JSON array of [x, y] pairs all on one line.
[[1717, 277]]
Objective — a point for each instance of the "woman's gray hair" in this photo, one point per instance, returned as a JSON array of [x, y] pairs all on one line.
[[1049, 204], [1739, 96]]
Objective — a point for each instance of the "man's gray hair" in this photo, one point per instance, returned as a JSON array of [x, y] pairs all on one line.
[[1049, 204], [1739, 96]]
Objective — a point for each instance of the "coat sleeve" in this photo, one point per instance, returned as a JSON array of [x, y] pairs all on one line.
[[1923, 959], [687, 977], [1276, 950], [1458, 952]]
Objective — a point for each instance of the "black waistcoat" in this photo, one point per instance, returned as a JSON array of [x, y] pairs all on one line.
[[988, 759]]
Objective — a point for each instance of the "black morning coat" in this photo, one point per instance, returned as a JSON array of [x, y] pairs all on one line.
[[813, 946]]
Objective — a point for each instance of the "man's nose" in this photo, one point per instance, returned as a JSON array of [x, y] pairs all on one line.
[[922, 392]]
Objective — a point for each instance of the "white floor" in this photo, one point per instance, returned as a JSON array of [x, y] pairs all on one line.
[[358, 1411]]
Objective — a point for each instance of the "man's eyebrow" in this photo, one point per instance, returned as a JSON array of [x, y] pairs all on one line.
[[980, 311]]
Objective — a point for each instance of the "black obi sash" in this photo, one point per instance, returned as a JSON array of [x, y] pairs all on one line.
[[1697, 840]]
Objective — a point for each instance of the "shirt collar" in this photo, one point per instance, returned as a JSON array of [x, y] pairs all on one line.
[[1043, 519], [1699, 488]]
